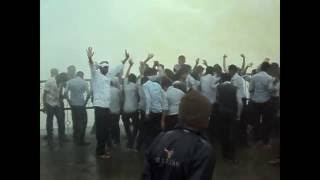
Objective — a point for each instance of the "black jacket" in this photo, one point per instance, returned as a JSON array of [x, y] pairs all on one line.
[[227, 98], [179, 154]]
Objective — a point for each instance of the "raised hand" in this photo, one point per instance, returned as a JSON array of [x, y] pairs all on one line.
[[250, 65], [156, 63], [225, 56], [205, 62], [150, 56], [197, 61], [90, 52], [242, 55]]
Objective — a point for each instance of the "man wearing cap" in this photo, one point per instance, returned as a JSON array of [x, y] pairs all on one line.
[[101, 79], [183, 153]]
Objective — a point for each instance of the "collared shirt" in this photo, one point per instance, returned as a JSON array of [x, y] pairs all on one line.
[[173, 96], [115, 100], [155, 97], [130, 96], [259, 87], [53, 92], [238, 81], [101, 86], [192, 83], [77, 87], [208, 87]]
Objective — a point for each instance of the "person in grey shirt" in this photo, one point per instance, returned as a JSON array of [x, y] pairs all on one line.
[[74, 93]]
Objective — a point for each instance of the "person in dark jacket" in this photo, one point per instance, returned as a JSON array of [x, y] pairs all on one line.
[[183, 153], [230, 107]]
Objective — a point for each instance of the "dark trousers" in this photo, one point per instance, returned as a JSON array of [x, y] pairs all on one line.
[[152, 127], [213, 123], [58, 112], [115, 128], [170, 122], [243, 124], [227, 131], [131, 134], [103, 124], [141, 131], [79, 120], [262, 130]]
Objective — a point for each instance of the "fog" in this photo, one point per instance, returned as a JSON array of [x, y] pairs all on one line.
[[196, 28]]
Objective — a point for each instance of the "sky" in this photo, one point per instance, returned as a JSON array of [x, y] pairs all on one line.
[[207, 29]]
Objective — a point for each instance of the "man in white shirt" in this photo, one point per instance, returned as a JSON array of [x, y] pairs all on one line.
[[101, 101], [261, 95], [173, 98], [130, 106], [115, 104], [74, 93], [155, 106], [239, 82], [52, 107]]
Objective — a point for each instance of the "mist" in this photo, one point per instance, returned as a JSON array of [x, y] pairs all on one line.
[[196, 28]]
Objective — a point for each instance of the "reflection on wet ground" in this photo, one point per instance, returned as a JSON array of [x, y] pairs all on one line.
[[79, 163]]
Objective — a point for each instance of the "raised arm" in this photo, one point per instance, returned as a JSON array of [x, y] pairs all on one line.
[[243, 62], [224, 63], [246, 68], [205, 62], [197, 62], [126, 57], [90, 54], [150, 56], [129, 68], [88, 94]]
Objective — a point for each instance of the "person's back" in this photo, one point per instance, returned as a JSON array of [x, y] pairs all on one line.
[[227, 98], [259, 86], [174, 96], [115, 100], [130, 97], [155, 91], [77, 87], [206, 89], [179, 154]]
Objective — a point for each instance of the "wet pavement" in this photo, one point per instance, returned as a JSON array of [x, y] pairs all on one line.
[[72, 162]]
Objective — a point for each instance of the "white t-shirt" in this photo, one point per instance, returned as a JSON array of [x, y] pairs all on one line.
[[130, 96], [77, 87], [208, 87], [173, 96], [53, 93]]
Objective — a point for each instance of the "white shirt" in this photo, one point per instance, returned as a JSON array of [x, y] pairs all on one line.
[[238, 81], [130, 96], [101, 86], [142, 96], [53, 95], [208, 87], [173, 96], [77, 87], [192, 83], [259, 86], [155, 97], [115, 100]]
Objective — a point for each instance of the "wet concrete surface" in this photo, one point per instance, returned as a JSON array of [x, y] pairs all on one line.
[[72, 162]]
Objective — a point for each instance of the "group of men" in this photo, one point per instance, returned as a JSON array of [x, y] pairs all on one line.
[[173, 115]]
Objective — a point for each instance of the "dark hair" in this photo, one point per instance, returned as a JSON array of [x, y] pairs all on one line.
[[144, 79], [80, 74], [148, 71], [233, 68], [182, 57], [165, 82], [209, 70], [274, 65], [132, 78], [62, 78], [169, 73], [225, 77], [217, 68], [265, 66]]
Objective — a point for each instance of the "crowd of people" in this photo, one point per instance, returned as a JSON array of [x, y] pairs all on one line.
[[173, 115]]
